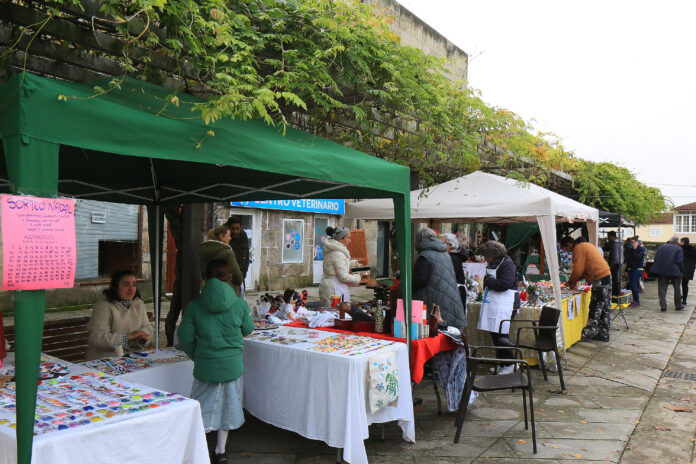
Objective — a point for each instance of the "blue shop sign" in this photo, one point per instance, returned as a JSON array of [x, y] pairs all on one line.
[[309, 206]]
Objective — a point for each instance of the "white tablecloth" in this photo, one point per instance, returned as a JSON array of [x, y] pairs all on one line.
[[174, 378], [321, 396], [167, 435]]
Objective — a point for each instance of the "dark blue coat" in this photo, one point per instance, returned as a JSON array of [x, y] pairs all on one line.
[[669, 261], [635, 257]]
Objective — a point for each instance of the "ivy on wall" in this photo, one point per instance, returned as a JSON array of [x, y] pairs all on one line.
[[336, 69]]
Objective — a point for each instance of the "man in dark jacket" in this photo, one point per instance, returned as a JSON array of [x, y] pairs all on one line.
[[689, 266], [240, 244], [669, 267], [615, 260]]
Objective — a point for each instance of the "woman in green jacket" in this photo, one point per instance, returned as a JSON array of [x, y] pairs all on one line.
[[212, 334]]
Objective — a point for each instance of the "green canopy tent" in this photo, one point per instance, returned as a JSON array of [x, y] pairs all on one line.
[[131, 144]]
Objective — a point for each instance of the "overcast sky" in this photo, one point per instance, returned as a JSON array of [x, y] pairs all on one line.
[[615, 79]]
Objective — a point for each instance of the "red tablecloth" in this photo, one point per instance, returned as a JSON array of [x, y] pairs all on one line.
[[421, 350]]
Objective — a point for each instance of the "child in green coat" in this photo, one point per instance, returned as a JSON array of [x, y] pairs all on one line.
[[212, 334]]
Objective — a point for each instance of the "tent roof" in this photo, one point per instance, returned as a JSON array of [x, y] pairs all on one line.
[[481, 197], [159, 161], [609, 219]]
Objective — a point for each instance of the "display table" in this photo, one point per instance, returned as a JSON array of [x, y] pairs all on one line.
[[321, 395], [89, 417], [421, 350], [167, 369], [574, 310]]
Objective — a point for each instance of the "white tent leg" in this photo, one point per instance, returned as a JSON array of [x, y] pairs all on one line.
[[547, 227]]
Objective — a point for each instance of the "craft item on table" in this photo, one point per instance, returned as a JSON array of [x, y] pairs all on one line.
[[169, 355], [570, 309], [50, 370], [378, 313], [532, 269], [399, 320], [281, 340], [417, 325], [82, 400], [384, 381], [118, 366], [303, 312], [263, 335], [264, 325], [322, 319], [349, 345]]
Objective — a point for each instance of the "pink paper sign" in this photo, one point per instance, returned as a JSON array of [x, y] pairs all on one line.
[[38, 243], [416, 311]]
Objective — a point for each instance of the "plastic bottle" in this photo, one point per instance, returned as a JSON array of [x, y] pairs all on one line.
[[379, 317]]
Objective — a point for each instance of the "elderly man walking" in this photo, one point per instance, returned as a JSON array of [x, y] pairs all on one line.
[[669, 267]]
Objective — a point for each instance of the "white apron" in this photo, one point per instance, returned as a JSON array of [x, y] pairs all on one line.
[[341, 289], [496, 307]]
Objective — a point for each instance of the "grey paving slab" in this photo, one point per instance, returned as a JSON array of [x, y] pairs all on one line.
[[616, 397], [561, 449]]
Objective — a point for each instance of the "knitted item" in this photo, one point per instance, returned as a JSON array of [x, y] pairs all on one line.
[[124, 343]]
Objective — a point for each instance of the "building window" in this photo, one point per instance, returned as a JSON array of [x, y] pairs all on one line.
[[293, 240], [656, 231], [685, 223]]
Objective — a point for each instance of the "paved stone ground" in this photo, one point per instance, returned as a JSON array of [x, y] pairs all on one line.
[[617, 395], [616, 408]]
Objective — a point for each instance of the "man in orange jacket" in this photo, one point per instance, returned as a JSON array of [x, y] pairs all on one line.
[[589, 264]]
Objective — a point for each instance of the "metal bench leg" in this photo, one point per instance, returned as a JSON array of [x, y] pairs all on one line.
[[339, 455]]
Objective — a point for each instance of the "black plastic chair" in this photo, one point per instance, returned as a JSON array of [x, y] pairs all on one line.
[[487, 383], [544, 338]]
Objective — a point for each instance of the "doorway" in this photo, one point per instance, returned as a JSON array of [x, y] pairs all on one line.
[[320, 225], [251, 223]]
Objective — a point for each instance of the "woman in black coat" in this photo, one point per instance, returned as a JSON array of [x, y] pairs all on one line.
[[689, 266], [501, 278]]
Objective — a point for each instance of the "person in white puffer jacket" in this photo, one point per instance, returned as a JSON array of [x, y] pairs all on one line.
[[337, 278]]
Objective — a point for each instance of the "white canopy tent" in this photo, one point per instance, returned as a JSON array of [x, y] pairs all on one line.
[[481, 197]]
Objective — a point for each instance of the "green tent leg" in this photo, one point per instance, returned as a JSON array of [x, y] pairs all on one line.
[[29, 308], [155, 218], [33, 170], [402, 216]]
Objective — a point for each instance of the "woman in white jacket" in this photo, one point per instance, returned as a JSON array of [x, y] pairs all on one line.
[[337, 277]]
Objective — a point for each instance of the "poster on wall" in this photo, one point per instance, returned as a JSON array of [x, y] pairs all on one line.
[[38, 242], [292, 240]]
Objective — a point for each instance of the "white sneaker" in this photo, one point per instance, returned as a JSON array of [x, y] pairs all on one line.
[[506, 370]]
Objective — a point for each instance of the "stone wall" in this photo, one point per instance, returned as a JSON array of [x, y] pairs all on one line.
[[416, 33], [273, 273]]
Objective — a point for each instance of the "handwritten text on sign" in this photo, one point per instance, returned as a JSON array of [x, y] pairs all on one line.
[[38, 242]]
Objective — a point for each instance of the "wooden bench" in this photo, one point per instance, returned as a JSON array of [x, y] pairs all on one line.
[[65, 339]]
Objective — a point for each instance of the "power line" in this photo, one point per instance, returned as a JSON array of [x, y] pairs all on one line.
[[672, 185]]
